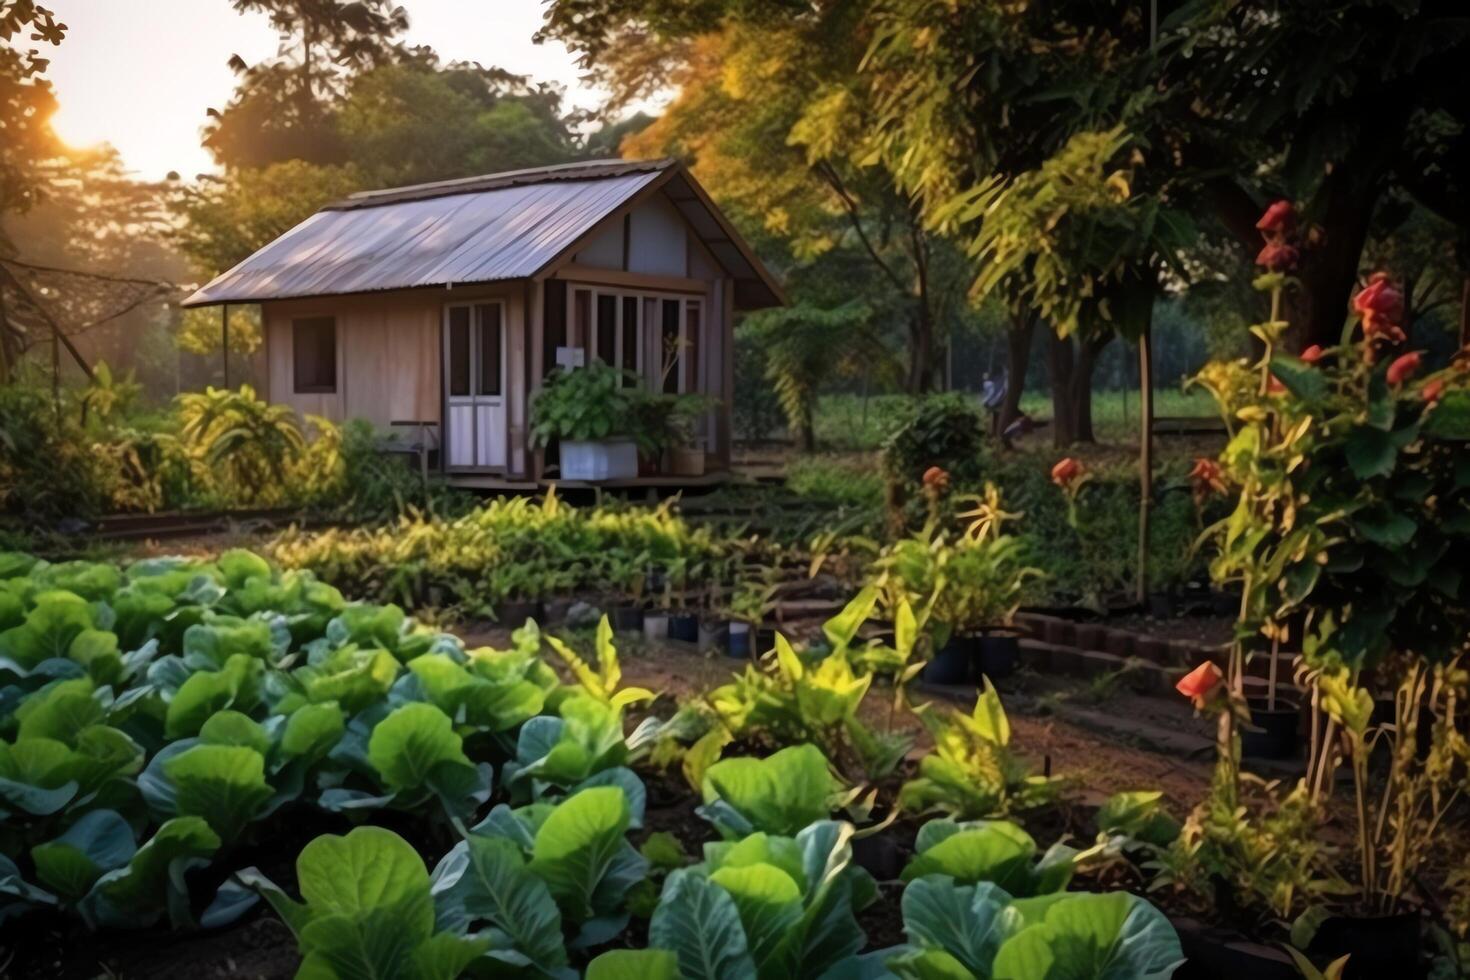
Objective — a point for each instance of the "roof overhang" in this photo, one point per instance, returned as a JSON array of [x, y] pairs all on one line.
[[503, 227]]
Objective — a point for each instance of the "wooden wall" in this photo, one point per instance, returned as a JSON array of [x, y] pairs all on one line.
[[389, 357]]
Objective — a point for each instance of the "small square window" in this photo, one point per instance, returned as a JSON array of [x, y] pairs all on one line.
[[314, 349]]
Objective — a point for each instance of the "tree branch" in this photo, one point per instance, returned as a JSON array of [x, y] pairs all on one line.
[[834, 181]]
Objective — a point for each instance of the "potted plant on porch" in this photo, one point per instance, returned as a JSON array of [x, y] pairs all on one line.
[[592, 412]]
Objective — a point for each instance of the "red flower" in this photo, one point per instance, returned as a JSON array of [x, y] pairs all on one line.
[[1312, 354], [1279, 219], [936, 478], [1274, 386], [1278, 256], [1381, 305], [1066, 472], [1206, 477], [1199, 682], [1431, 391], [1403, 368]]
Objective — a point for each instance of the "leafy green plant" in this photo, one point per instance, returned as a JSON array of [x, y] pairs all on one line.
[[367, 911], [993, 851], [766, 905], [585, 404], [779, 794], [973, 772], [788, 700], [1087, 936], [241, 441]]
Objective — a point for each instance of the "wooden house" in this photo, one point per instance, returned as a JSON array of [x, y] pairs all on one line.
[[444, 305]]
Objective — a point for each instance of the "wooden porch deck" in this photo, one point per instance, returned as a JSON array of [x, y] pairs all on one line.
[[491, 481]]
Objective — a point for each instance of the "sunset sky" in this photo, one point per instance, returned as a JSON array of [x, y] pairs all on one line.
[[141, 73]]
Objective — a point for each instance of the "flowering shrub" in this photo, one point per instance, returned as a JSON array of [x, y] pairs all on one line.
[[1348, 538]]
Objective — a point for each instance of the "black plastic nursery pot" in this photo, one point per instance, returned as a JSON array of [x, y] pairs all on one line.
[[1161, 605], [765, 639], [1273, 732], [684, 627], [997, 655], [1377, 946], [626, 619], [1211, 953], [515, 613], [954, 663]]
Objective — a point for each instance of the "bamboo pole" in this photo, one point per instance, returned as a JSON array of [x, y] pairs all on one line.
[[224, 329], [1145, 458]]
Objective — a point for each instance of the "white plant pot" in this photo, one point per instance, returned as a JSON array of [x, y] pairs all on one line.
[[656, 626], [613, 459]]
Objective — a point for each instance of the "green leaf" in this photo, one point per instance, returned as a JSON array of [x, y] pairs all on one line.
[[576, 846], [968, 922], [930, 964], [54, 622], [312, 730], [1301, 379], [770, 907], [779, 794], [998, 852], [497, 887], [842, 628], [1373, 452], [1139, 815], [135, 895], [1384, 527], [205, 692], [69, 865], [634, 964], [235, 728], [36, 775], [97, 651], [1114, 936], [1450, 417], [60, 711], [700, 923], [224, 784], [406, 746]]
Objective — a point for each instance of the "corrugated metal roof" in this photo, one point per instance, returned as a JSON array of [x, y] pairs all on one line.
[[479, 229], [510, 232]]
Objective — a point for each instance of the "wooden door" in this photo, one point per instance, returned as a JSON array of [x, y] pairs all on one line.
[[474, 385]]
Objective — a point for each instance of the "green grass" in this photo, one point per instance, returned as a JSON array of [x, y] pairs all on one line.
[[845, 423]]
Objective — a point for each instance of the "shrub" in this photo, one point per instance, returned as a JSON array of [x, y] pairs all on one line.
[[942, 430]]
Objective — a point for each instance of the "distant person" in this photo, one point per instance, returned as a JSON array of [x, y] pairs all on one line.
[[993, 396]]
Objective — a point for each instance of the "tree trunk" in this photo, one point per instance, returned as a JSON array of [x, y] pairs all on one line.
[[1018, 359], [1330, 268], [1145, 457], [921, 351], [1082, 377], [1063, 416], [807, 433]]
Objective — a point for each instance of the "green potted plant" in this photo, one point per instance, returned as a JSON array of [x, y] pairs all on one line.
[[964, 590], [592, 413], [753, 600], [686, 457]]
